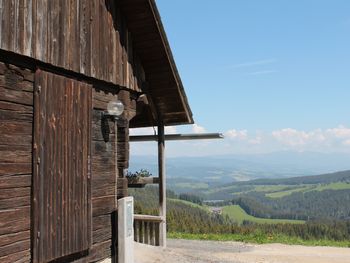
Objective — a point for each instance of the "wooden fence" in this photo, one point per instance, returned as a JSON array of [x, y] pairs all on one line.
[[147, 229]]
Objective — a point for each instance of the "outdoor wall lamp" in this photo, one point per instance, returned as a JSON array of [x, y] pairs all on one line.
[[115, 108]]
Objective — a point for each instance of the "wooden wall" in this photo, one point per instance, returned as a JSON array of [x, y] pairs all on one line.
[[16, 125], [16, 129], [85, 36], [61, 167], [105, 173]]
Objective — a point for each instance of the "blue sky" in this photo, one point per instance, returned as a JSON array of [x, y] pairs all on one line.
[[272, 75]]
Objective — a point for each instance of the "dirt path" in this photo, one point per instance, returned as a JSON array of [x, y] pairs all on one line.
[[188, 251]]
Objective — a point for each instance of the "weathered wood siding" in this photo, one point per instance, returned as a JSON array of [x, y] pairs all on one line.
[[85, 36], [61, 179], [16, 129], [104, 175], [16, 125]]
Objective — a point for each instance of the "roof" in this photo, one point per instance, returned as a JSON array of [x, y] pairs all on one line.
[[164, 83]]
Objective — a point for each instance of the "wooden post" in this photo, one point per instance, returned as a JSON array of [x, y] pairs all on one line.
[[162, 184]]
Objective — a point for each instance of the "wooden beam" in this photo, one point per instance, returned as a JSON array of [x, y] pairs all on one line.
[[149, 218], [176, 137], [162, 183]]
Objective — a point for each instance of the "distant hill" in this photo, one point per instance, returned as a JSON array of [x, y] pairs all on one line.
[[188, 173], [343, 176], [323, 196], [275, 188]]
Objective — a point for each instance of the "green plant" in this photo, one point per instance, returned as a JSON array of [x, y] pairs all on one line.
[[133, 177]]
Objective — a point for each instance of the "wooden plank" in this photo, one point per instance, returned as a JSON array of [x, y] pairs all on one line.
[[8, 170], [8, 24], [19, 26], [102, 48], [1, 18], [100, 251], [41, 41], [146, 232], [151, 231], [4, 105], [15, 213], [14, 226], [62, 150], [103, 205], [101, 221], [136, 232], [13, 76], [95, 44], [13, 238], [36, 165], [16, 192], [53, 22], [27, 31], [102, 97], [62, 34], [75, 36], [8, 115], [14, 220], [18, 257], [162, 183], [102, 189], [14, 248], [83, 34], [13, 139], [9, 203], [7, 182], [102, 234], [148, 218], [17, 154], [9, 95]]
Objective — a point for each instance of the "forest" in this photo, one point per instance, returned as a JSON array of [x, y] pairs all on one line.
[[189, 216]]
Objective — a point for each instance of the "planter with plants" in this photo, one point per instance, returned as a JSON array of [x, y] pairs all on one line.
[[140, 179]]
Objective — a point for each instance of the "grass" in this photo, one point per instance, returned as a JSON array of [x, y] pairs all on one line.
[[192, 185], [260, 238], [271, 188], [289, 192], [236, 213], [333, 186], [309, 188], [205, 208]]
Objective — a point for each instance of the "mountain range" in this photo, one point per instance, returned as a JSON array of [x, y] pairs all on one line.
[[219, 170]]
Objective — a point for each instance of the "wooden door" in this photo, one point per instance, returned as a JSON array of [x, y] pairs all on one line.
[[61, 181]]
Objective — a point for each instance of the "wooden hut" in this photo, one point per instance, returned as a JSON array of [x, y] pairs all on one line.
[[61, 62]]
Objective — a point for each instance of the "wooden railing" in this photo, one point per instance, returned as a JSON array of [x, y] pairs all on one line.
[[147, 229]]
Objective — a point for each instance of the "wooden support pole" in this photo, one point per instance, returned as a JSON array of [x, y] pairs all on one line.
[[162, 183]]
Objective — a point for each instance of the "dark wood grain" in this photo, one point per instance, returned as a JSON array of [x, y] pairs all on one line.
[[16, 115], [62, 120]]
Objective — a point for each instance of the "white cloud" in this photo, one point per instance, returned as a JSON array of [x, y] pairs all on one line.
[[198, 129], [292, 137], [152, 130], [255, 63], [243, 142], [257, 140], [236, 134], [339, 132], [170, 129], [262, 72], [347, 142], [142, 131]]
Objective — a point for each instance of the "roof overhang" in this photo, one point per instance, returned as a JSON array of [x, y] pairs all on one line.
[[177, 137], [165, 87]]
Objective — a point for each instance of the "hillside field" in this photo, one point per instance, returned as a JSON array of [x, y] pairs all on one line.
[[237, 214]]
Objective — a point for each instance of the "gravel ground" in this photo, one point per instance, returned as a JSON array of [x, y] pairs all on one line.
[[193, 251]]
